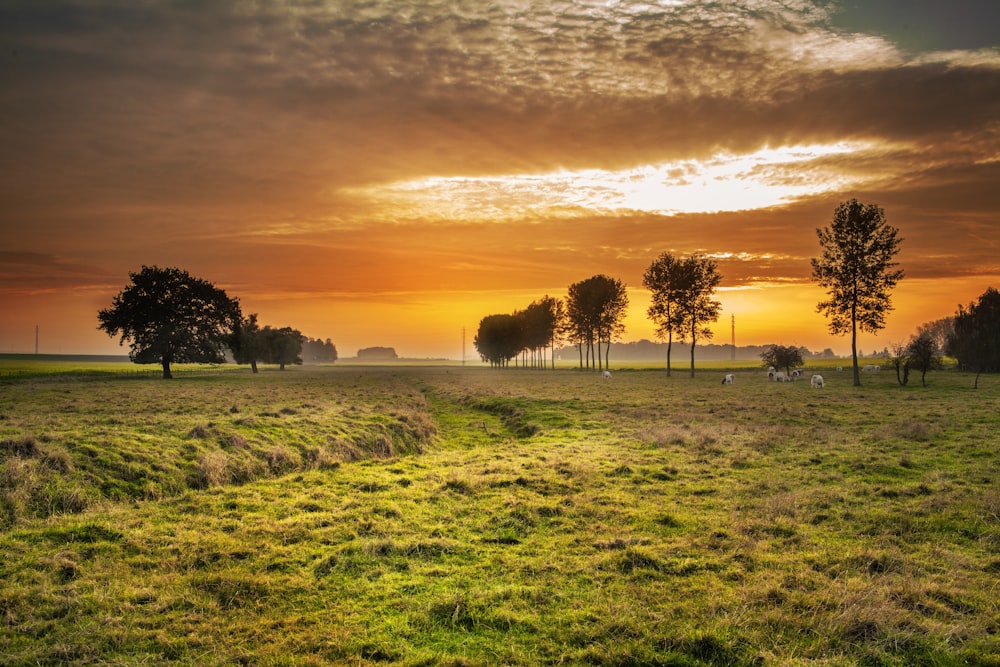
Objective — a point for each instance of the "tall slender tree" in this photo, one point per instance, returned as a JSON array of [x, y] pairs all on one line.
[[856, 269], [698, 280], [662, 279]]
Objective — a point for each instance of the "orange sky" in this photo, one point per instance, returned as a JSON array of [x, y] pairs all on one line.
[[387, 173]]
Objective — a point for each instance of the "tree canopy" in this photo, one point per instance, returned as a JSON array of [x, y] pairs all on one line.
[[682, 300], [782, 356], [268, 345], [856, 269], [498, 339], [169, 316], [662, 279], [975, 340], [595, 308]]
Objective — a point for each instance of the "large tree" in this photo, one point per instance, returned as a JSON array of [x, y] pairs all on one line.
[[856, 269], [170, 317], [975, 341]]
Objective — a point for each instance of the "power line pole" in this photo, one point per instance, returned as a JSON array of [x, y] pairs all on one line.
[[734, 337]]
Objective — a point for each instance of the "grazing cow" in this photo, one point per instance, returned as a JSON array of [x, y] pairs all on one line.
[[797, 373], [606, 375], [817, 381], [868, 368], [729, 379], [780, 376], [840, 369]]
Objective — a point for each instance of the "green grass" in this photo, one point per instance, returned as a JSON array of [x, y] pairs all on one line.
[[424, 515]]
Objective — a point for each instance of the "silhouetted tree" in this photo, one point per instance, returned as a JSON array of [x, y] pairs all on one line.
[[283, 346], [781, 356], [317, 351], [856, 270], [900, 361], [938, 330], [663, 280], [596, 307], [699, 278], [540, 325], [923, 355], [975, 342], [247, 344], [498, 339], [171, 317]]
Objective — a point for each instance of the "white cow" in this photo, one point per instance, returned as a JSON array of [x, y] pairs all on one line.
[[729, 379], [868, 368], [606, 375], [840, 369], [780, 376], [817, 381], [797, 373]]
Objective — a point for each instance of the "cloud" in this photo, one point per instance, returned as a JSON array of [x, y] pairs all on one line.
[[357, 146]]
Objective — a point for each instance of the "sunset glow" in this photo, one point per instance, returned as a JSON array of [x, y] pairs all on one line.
[[722, 182], [388, 173]]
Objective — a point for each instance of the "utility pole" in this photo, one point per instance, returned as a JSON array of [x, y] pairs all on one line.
[[734, 337]]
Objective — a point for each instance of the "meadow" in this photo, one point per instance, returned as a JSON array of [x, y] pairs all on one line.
[[447, 515]]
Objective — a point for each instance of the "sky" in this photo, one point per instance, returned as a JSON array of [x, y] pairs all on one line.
[[388, 173]]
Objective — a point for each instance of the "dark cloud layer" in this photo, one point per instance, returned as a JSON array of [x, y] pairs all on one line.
[[229, 133]]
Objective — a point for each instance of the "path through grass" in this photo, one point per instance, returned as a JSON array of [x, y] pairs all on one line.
[[476, 517]]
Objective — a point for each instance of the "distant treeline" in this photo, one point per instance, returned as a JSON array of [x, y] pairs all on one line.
[[647, 350]]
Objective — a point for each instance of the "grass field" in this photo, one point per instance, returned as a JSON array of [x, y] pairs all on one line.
[[426, 515]]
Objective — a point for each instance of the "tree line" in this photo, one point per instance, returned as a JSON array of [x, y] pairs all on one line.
[[856, 267], [169, 316], [591, 316]]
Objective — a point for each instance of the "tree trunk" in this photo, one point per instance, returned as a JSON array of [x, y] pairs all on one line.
[[165, 362], [253, 365], [670, 343], [607, 351], [854, 352], [694, 340]]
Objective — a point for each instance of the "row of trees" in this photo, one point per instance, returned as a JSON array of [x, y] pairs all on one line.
[[503, 337], [592, 316], [169, 316], [856, 267]]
